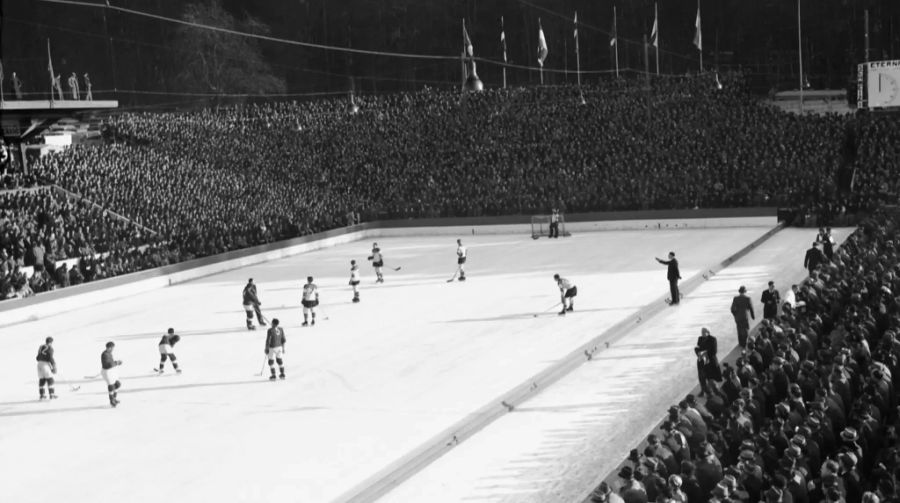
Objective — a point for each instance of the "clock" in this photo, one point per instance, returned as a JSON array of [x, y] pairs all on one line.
[[888, 90]]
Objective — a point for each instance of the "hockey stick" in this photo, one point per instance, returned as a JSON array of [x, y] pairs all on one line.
[[263, 368], [545, 311], [72, 387], [397, 268], [93, 376]]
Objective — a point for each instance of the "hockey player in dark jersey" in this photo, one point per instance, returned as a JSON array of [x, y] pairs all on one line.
[[251, 305], [46, 368], [166, 345], [275, 341], [110, 374], [377, 262]]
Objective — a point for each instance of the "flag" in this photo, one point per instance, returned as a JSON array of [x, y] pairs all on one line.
[[49, 62], [1, 71], [467, 42], [542, 45], [698, 36], [613, 40], [654, 34], [503, 39], [576, 33]]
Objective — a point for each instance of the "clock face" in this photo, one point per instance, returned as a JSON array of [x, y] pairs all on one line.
[[884, 88]]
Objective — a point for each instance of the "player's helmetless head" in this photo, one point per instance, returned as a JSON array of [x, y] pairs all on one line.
[[671, 254], [275, 322], [49, 340], [309, 279], [556, 277], [352, 262], [250, 280], [459, 241], [171, 330], [110, 345]]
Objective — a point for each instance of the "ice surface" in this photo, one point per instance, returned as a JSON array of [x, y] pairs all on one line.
[[367, 385]]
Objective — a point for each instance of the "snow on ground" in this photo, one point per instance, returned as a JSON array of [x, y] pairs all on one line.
[[367, 385]]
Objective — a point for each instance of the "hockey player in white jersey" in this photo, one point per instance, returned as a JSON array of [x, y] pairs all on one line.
[[567, 290], [354, 280], [377, 262], [310, 301]]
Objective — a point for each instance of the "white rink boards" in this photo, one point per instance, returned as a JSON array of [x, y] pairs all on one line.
[[364, 387]]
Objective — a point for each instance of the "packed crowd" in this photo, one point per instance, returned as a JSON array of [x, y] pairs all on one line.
[[808, 412], [201, 183]]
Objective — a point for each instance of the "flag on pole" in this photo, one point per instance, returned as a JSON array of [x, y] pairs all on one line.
[[542, 45], [613, 40], [698, 35], [49, 62], [654, 34], [576, 33], [467, 42], [503, 38]]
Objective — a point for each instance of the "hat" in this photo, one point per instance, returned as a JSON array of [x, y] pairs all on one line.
[[652, 439], [793, 452], [799, 440], [603, 489], [626, 472], [651, 463], [747, 455], [847, 458], [829, 480], [675, 480], [748, 445], [773, 495], [849, 434], [720, 491], [778, 361]]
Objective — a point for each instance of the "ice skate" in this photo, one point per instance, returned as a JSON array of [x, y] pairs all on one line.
[[570, 308], [313, 322], [42, 398], [563, 312], [177, 371], [281, 376], [355, 299], [305, 324], [462, 278], [272, 377], [53, 396]]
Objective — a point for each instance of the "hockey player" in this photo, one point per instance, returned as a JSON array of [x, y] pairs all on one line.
[[251, 305], [354, 280], [461, 254], [377, 262], [110, 374], [46, 368], [310, 301], [567, 290], [168, 341], [275, 348]]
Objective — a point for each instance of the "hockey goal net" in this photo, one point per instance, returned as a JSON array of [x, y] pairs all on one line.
[[540, 226]]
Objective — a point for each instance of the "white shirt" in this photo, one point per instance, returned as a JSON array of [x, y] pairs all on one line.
[[461, 251], [310, 291], [564, 284]]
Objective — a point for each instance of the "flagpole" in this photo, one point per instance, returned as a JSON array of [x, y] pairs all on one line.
[[577, 55], [616, 34], [800, 55], [503, 43], [50, 68], [656, 17], [462, 58], [700, 35]]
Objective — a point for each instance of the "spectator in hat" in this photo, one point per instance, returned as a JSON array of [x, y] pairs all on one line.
[[708, 468], [689, 483], [850, 476], [673, 275], [770, 299], [742, 310], [813, 258], [655, 448], [604, 494], [631, 490], [708, 370]]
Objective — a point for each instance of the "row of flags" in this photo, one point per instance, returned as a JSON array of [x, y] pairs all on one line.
[[543, 50]]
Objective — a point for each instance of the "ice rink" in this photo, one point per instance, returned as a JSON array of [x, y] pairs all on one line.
[[373, 382]]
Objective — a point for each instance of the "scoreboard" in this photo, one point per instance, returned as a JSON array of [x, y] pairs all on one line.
[[878, 84]]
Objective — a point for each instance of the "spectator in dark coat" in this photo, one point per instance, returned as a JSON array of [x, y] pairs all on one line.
[[708, 370], [742, 310], [813, 257]]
